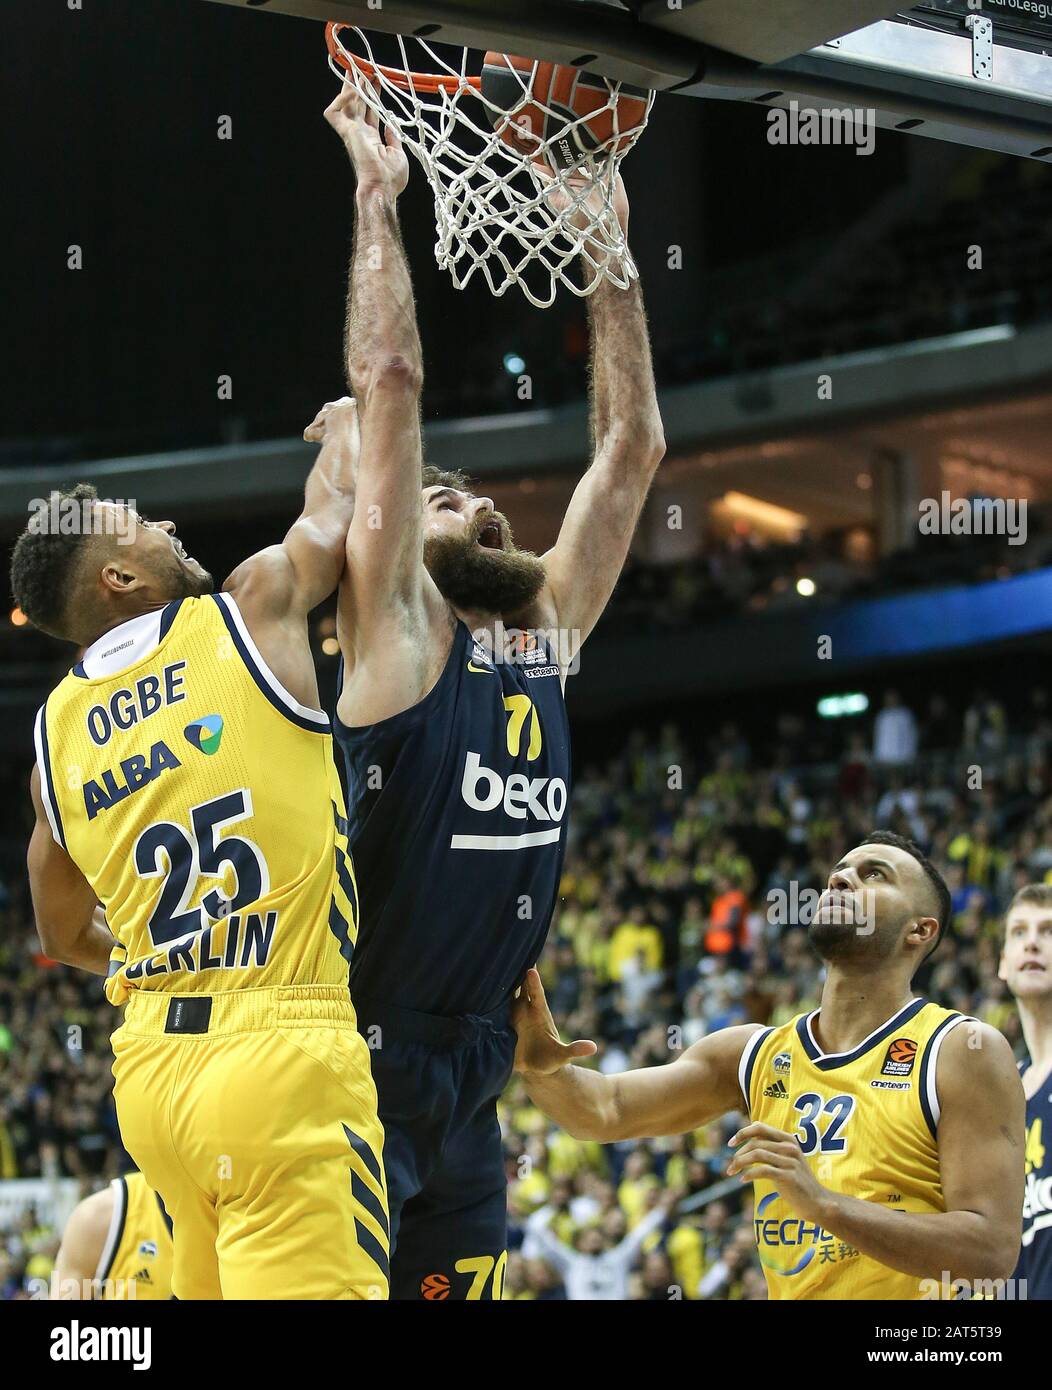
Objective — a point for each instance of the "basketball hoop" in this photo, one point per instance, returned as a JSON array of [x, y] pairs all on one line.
[[523, 185]]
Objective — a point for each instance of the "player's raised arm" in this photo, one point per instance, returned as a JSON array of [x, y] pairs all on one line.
[[277, 587], [698, 1087], [628, 444], [385, 575], [71, 928], [980, 1136], [295, 576]]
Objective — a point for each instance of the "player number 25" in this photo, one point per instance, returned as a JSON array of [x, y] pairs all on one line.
[[165, 850]]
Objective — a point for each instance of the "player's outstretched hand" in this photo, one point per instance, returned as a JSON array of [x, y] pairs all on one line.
[[539, 1048], [332, 415], [381, 165]]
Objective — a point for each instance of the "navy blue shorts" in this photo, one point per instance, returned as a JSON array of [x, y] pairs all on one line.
[[438, 1080]]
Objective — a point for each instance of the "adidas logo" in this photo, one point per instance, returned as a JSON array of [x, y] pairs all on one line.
[[777, 1091], [144, 1276]]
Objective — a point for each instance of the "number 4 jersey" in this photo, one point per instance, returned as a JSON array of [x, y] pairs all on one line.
[[202, 804], [867, 1121]]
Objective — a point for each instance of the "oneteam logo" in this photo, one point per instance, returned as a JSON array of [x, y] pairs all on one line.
[[205, 734]]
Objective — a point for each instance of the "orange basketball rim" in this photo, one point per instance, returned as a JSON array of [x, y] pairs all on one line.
[[428, 82]]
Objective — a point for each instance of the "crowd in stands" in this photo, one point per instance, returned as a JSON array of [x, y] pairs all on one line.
[[676, 917]]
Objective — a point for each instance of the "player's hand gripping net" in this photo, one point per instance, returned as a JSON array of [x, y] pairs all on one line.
[[517, 197]]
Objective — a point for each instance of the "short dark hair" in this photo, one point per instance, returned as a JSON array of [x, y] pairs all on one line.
[[445, 477], [44, 566], [943, 901]]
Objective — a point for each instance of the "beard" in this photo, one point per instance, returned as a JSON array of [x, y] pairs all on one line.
[[838, 939], [183, 580], [476, 579]]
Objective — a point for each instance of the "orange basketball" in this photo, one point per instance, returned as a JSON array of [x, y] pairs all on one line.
[[542, 99], [435, 1287]]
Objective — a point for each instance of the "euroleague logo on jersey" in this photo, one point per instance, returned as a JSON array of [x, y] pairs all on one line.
[[435, 1287], [899, 1058]]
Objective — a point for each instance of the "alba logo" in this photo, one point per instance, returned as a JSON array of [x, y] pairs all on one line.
[[435, 1287], [205, 734]]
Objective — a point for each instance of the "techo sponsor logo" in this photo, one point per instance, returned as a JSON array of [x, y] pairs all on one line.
[[796, 1240]]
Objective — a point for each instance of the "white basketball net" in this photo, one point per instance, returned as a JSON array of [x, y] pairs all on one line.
[[495, 213]]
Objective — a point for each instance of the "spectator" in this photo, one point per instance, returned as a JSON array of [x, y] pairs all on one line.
[[894, 732]]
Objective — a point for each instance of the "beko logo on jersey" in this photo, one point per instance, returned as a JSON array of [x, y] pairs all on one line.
[[126, 708], [1037, 1202], [483, 789]]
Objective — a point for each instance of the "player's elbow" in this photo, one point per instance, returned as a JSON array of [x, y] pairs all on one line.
[[654, 445], [588, 1129], [1001, 1256], [53, 942], [392, 374], [634, 451], [994, 1256]]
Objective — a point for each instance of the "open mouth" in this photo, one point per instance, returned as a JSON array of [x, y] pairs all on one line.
[[1032, 965], [180, 549], [490, 537]]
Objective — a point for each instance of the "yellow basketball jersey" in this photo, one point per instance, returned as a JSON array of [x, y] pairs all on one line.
[[202, 804], [136, 1260], [867, 1121]]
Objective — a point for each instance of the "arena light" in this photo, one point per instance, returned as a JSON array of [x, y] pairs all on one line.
[[330, 646], [806, 587], [514, 364], [18, 618], [838, 706], [767, 517]]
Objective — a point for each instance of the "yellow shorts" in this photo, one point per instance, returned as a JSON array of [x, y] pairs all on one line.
[[256, 1122]]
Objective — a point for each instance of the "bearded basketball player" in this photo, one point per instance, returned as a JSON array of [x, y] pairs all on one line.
[[185, 782], [885, 1134], [1026, 967], [451, 718]]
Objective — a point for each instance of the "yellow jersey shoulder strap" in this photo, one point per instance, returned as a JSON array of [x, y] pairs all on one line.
[[314, 720], [927, 1091], [747, 1064], [115, 1234], [47, 781]]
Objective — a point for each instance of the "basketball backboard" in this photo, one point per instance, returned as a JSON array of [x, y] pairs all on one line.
[[944, 69]]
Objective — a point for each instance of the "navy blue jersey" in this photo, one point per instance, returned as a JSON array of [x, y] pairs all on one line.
[[457, 823], [1035, 1257]]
